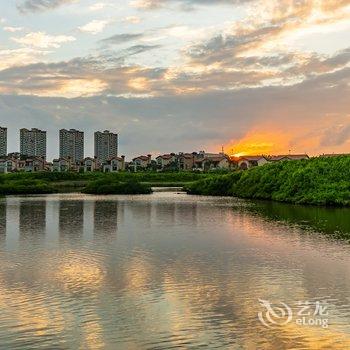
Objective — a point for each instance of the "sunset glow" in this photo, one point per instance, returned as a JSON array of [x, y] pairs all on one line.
[[259, 143]]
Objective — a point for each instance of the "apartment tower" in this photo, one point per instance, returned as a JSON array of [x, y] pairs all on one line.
[[3, 141], [72, 144], [33, 143], [106, 145]]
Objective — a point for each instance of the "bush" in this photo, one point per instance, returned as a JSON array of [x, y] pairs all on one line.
[[25, 187], [106, 186], [215, 185], [146, 176], [319, 181]]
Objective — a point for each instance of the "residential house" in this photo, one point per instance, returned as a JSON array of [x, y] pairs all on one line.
[[62, 165], [186, 161], [48, 166], [247, 162], [34, 164], [7, 165], [90, 164], [167, 161], [114, 164], [11, 163], [141, 162], [210, 161]]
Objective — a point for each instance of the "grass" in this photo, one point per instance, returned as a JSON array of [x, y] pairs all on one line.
[[317, 181]]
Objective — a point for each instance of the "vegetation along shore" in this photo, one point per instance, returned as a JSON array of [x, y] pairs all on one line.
[[94, 182], [316, 181]]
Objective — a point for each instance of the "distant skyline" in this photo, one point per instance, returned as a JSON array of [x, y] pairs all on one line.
[[179, 75]]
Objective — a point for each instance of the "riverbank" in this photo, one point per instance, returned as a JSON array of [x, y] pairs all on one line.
[[43, 182], [317, 181]]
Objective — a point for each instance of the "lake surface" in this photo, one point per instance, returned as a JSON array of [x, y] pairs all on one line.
[[171, 271]]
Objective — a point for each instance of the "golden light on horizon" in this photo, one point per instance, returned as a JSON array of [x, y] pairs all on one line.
[[259, 142]]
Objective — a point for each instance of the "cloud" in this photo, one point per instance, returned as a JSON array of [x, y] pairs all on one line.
[[132, 19], [112, 76], [18, 57], [13, 29], [337, 135], [73, 78], [42, 5], [236, 83], [303, 114], [97, 6], [185, 4], [261, 34], [137, 49], [122, 38], [43, 40], [94, 27]]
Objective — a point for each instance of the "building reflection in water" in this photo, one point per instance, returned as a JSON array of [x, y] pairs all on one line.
[[32, 218], [3, 218], [3, 207], [165, 212], [141, 213], [106, 217], [186, 213], [71, 219]]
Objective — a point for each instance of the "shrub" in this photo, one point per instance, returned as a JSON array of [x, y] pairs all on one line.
[[25, 187], [319, 181], [106, 186]]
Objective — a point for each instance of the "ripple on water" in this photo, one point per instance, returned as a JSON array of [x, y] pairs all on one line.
[[166, 271]]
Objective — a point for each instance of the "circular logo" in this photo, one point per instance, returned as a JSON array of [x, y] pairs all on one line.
[[275, 315]]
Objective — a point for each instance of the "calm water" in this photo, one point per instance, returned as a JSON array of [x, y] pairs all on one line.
[[169, 271]]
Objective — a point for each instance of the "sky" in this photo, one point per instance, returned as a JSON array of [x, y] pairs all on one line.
[[257, 77]]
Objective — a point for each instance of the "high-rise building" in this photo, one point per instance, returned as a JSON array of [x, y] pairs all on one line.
[[3, 141], [106, 145], [72, 144], [33, 143]]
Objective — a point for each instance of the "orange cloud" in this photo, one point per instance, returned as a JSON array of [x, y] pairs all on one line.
[[259, 142], [331, 134]]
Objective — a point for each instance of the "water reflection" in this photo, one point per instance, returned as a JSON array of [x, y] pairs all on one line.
[[32, 218], [106, 217], [165, 212], [331, 221], [3, 208], [180, 272], [71, 219]]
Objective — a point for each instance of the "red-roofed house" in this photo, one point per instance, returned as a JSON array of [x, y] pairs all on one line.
[[187, 160], [62, 164], [210, 161], [166, 160], [248, 162], [114, 165], [89, 164], [141, 162]]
